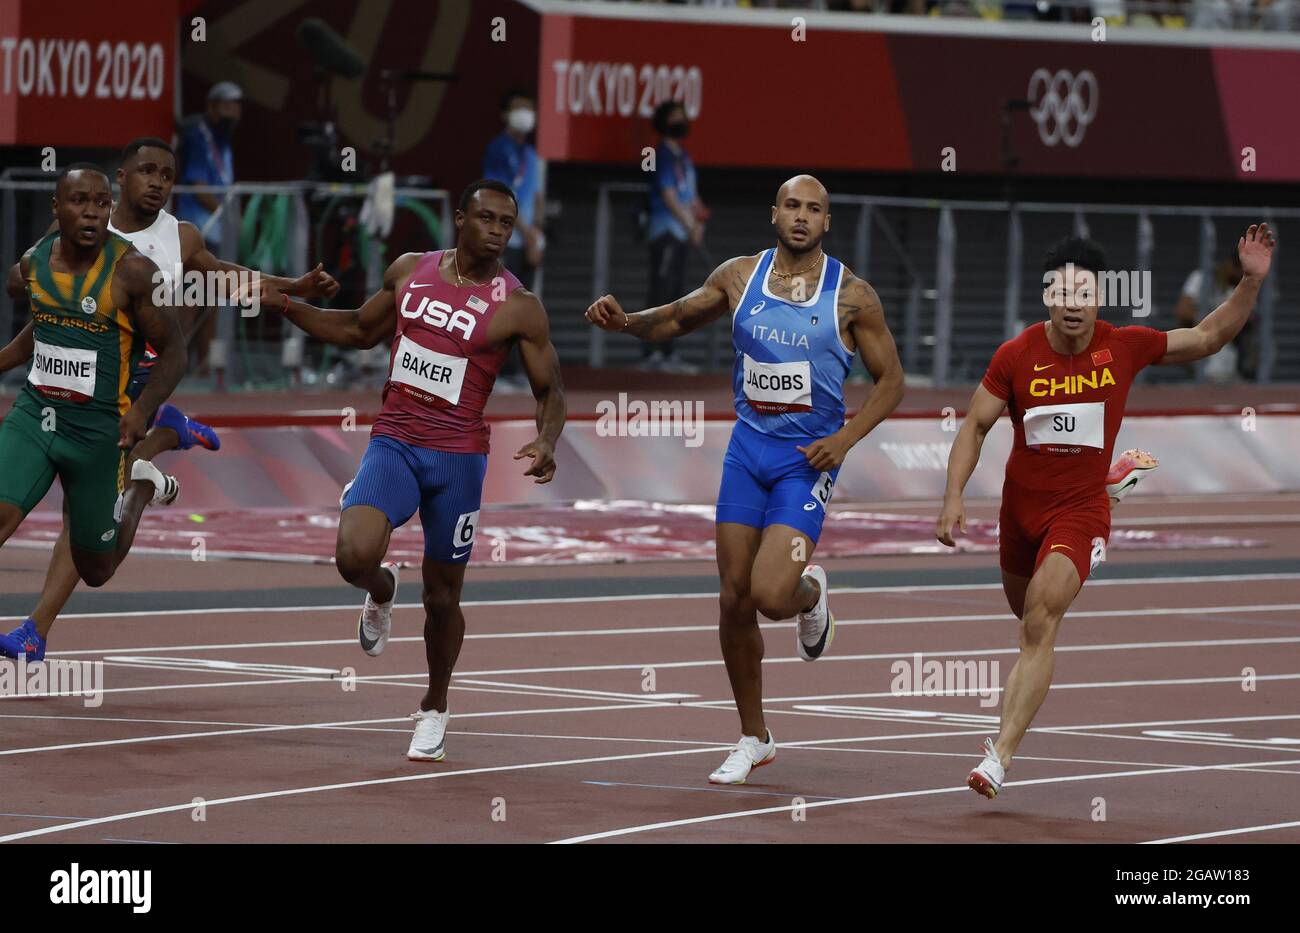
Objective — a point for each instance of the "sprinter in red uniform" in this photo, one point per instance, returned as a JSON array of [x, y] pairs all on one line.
[[452, 315], [1065, 382]]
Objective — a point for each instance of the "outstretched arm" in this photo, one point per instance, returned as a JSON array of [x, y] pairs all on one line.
[[667, 322], [861, 315], [542, 366], [985, 409], [365, 327], [315, 283], [1224, 323]]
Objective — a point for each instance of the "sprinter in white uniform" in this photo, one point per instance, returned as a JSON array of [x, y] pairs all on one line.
[[145, 180]]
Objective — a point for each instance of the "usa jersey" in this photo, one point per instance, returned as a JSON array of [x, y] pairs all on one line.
[[790, 366], [442, 366]]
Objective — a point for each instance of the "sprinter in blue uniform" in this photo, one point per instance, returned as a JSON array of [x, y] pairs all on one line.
[[797, 317]]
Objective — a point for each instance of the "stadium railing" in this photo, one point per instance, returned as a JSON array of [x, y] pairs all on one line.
[[959, 277]]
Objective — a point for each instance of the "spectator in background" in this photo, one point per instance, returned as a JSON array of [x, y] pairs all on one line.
[[676, 222], [1238, 358], [511, 158], [205, 159]]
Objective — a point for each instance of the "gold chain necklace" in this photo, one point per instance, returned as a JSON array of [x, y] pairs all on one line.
[[460, 279], [788, 275]]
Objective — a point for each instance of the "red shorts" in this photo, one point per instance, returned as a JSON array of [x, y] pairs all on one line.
[[1034, 523]]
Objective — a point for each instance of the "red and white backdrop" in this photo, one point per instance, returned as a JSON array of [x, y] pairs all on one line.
[[89, 74], [859, 99]]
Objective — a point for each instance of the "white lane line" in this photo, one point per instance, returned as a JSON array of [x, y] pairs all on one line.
[[372, 782], [1223, 832], [1169, 722], [603, 694], [132, 655], [887, 656], [651, 597], [741, 814]]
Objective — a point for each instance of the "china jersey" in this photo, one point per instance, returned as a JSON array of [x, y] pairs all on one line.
[[1067, 410]]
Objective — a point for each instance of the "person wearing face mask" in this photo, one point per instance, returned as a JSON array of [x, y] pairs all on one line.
[[208, 160], [511, 158], [676, 223]]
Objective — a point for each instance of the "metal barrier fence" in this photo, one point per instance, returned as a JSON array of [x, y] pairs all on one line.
[[279, 228], [955, 277]]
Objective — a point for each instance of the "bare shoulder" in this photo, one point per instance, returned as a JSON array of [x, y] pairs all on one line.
[[732, 275], [400, 269], [857, 299], [135, 270], [525, 311]]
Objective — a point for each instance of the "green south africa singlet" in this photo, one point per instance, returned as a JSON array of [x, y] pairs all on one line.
[[86, 347]]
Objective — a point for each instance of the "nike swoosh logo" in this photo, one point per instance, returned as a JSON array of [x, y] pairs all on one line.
[[460, 555], [421, 284], [1039, 369], [1055, 546]]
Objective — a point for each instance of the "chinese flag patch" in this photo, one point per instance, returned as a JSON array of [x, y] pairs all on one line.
[[1101, 357]]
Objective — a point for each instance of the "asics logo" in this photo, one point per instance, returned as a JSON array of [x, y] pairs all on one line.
[[758, 307], [1062, 104]]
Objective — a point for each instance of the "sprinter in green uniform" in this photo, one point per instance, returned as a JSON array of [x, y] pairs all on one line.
[[92, 298]]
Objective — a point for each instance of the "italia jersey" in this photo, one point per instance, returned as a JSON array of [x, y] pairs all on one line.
[[790, 366], [1067, 410], [442, 366]]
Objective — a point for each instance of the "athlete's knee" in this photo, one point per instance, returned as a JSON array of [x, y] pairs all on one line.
[[771, 600], [734, 601], [95, 574], [1038, 627], [355, 563], [440, 605]]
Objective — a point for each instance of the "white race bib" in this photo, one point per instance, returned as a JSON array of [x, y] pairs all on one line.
[[1062, 427], [63, 372], [776, 388], [425, 374]]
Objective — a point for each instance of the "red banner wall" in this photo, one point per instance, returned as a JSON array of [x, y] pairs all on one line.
[[757, 97], [96, 78], [895, 100]]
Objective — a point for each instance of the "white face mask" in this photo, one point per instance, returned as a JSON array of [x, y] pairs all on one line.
[[521, 120]]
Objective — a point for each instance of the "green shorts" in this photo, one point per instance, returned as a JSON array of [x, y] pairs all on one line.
[[91, 473]]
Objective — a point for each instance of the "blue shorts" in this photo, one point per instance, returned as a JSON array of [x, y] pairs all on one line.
[[447, 489], [766, 481]]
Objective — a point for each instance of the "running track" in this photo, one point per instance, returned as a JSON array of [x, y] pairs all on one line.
[[595, 713]]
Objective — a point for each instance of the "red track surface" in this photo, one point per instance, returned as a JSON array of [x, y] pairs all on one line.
[[552, 726]]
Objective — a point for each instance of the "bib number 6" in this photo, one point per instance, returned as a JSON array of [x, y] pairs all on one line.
[[466, 525]]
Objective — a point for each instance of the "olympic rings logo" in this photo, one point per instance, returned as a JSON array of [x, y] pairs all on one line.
[[1062, 104]]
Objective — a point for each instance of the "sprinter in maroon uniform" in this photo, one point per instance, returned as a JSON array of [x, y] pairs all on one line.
[[452, 316]]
